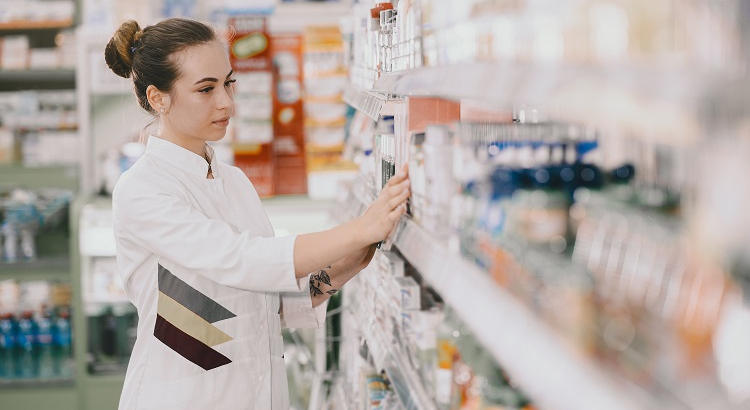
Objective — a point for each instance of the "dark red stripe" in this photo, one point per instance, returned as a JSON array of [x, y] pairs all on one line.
[[188, 346]]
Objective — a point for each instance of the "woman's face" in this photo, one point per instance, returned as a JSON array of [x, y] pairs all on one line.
[[202, 97]]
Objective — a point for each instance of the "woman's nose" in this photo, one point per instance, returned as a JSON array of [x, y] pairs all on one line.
[[226, 99]]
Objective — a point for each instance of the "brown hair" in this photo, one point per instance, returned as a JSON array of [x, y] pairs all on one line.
[[145, 54]]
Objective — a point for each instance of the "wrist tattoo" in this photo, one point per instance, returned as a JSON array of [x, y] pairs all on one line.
[[317, 280]]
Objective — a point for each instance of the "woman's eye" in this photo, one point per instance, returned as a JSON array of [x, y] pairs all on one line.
[[205, 90], [229, 83]]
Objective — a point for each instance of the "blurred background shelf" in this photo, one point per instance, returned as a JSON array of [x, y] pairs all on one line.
[[37, 79], [21, 25], [36, 384], [50, 268], [62, 176], [39, 397]]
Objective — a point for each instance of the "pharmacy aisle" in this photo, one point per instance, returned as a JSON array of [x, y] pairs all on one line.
[[569, 241], [69, 128], [39, 181], [575, 236]]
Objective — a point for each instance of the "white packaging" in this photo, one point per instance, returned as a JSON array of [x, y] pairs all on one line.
[[254, 83], [14, 52], [325, 86], [325, 136], [252, 132], [50, 148], [66, 44], [6, 145], [56, 10], [325, 112], [440, 185], [254, 107], [409, 292], [443, 385], [44, 58], [393, 264]]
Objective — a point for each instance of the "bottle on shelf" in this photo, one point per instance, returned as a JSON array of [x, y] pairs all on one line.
[[27, 361], [62, 338], [447, 354], [44, 345], [7, 346]]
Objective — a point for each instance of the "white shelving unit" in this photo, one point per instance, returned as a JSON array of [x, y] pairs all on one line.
[[108, 113], [368, 103], [668, 104], [387, 356], [552, 373], [540, 360], [537, 358]]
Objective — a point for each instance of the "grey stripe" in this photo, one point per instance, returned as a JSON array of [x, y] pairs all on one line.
[[187, 296]]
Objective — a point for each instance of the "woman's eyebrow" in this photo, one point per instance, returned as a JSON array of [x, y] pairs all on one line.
[[212, 79]]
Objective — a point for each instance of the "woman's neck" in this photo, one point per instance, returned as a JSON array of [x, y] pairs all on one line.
[[194, 145]]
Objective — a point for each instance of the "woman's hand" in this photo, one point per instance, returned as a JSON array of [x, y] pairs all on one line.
[[382, 216]]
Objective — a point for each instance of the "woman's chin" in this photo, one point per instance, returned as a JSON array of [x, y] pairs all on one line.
[[216, 135]]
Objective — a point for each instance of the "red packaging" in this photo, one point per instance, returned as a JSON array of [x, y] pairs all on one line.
[[249, 51], [249, 44], [257, 163], [288, 115]]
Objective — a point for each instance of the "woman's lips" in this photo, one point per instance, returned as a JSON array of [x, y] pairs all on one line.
[[222, 123]]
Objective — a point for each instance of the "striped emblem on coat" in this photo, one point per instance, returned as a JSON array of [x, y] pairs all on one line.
[[184, 322]]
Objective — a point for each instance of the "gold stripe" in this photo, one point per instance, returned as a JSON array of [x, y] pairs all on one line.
[[190, 323]]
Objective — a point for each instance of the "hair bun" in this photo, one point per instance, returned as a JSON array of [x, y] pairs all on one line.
[[119, 53]]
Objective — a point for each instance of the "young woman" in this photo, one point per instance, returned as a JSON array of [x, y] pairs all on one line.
[[195, 248]]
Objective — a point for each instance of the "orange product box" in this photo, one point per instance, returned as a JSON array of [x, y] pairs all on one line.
[[257, 162], [249, 43], [288, 115]]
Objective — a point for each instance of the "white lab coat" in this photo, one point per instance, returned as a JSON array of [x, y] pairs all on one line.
[[212, 286]]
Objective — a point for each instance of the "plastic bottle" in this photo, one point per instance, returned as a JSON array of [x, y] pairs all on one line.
[[7, 345], [27, 363], [387, 139], [417, 176], [62, 344], [108, 335], [44, 345], [440, 184], [447, 354]]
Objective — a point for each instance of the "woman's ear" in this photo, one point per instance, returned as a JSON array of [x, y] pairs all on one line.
[[158, 99]]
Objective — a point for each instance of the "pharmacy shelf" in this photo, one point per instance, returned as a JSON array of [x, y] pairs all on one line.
[[21, 25], [368, 103], [100, 391], [53, 78], [62, 176], [554, 375], [297, 214], [35, 384], [38, 123], [39, 397], [664, 103], [294, 17], [53, 268], [387, 356], [541, 363]]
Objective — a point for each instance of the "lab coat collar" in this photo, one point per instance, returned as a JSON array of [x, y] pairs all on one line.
[[180, 157]]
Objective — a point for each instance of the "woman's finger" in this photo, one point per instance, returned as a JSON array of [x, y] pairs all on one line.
[[400, 176], [396, 214], [399, 199]]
